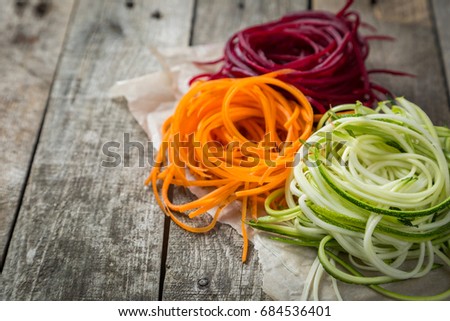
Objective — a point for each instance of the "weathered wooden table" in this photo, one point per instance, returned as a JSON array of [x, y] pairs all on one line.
[[73, 230]]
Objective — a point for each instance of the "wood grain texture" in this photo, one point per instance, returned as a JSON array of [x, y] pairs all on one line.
[[208, 266], [441, 10], [87, 232], [414, 51], [31, 40]]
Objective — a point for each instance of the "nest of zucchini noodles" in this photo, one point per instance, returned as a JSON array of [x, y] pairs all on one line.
[[372, 193]]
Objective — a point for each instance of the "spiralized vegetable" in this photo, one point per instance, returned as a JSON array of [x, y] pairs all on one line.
[[374, 185], [326, 51], [235, 136]]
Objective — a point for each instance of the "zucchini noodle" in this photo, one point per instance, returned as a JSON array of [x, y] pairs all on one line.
[[371, 191]]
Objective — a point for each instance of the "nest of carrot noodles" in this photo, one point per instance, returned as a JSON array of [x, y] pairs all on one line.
[[326, 50], [234, 137]]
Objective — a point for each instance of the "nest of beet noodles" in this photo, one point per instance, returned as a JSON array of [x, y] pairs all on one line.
[[325, 52]]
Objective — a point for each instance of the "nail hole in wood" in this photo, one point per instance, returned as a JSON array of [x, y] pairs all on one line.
[[21, 3], [41, 9], [156, 14], [241, 5], [203, 282], [129, 4]]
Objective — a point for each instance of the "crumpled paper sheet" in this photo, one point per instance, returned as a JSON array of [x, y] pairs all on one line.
[[152, 98]]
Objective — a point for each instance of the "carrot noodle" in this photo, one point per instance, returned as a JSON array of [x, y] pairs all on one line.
[[235, 137], [326, 50]]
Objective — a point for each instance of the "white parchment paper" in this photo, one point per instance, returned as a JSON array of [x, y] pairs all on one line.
[[152, 98]]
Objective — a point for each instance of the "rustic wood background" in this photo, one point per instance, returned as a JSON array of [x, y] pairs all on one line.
[[73, 230]]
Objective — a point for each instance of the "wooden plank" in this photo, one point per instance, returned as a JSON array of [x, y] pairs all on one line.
[[85, 231], [208, 266], [414, 51], [31, 39], [441, 10]]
